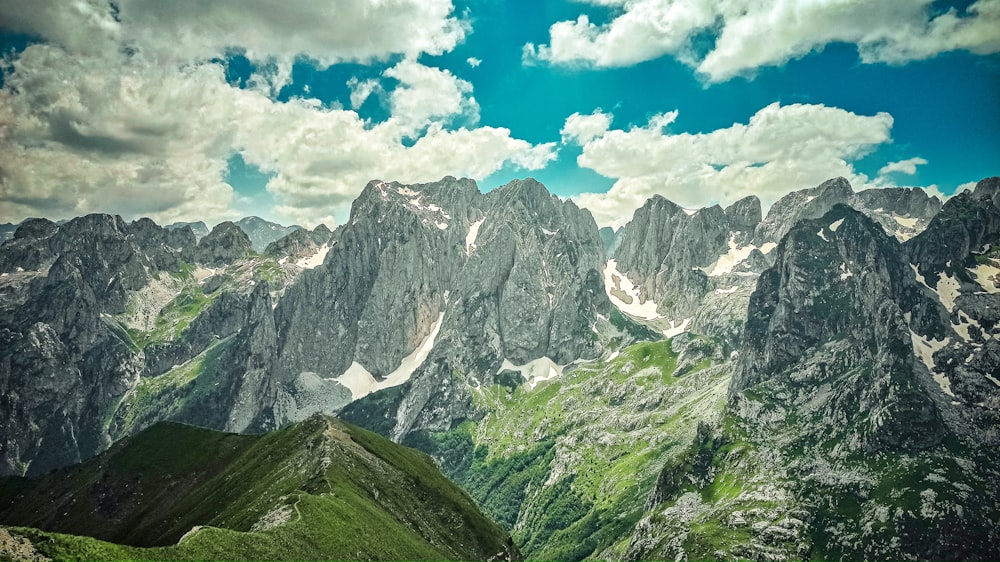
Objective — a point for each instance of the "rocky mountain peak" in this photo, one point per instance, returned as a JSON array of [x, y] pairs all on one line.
[[988, 188], [967, 223], [36, 228], [225, 244], [800, 205], [262, 232], [745, 214], [830, 320]]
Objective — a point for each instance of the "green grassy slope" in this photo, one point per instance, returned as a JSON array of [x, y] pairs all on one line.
[[321, 489], [567, 466]]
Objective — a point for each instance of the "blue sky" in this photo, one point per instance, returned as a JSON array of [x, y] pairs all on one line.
[[269, 118]]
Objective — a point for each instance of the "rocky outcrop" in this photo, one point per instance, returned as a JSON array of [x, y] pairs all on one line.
[[64, 365], [28, 249], [513, 275], [262, 232], [611, 238], [225, 244], [199, 228], [299, 243], [835, 312], [166, 248]]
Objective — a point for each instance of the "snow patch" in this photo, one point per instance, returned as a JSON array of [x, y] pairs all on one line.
[[947, 290], [535, 371], [847, 274], [549, 232], [735, 255], [309, 262], [612, 280], [987, 276], [441, 225], [810, 198], [407, 192], [614, 355], [470, 238], [835, 225], [728, 291], [690, 212], [925, 349], [361, 383], [962, 328], [907, 222], [676, 330], [767, 247], [821, 235]]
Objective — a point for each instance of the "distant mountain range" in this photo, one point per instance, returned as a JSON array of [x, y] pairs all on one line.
[[822, 381]]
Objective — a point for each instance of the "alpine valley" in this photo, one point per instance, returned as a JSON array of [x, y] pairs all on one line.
[[508, 381]]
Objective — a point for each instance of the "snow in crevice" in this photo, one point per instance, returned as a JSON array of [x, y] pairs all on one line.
[[810, 198], [407, 192], [947, 287], [835, 225], [470, 238], [993, 379], [948, 290], [728, 291], [316, 259], [821, 235], [690, 212], [676, 329], [987, 276], [734, 256], [924, 350], [549, 232], [612, 280], [361, 383], [845, 273], [535, 371], [441, 225], [614, 355], [962, 328]]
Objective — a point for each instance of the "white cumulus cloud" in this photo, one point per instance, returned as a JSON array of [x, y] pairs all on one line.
[[123, 109], [749, 35], [908, 166], [780, 148]]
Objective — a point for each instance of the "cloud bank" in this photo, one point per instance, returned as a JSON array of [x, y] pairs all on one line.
[[747, 35], [126, 107], [780, 148]]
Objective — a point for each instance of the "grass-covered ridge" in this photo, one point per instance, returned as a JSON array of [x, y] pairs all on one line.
[[321, 489]]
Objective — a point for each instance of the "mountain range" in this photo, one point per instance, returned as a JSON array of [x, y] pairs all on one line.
[[822, 381]]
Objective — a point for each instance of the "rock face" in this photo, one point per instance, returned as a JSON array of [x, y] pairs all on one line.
[[262, 232], [512, 275], [300, 243], [862, 396], [611, 239], [225, 244], [836, 311], [199, 228], [696, 267], [28, 249], [165, 247], [701, 266], [62, 364]]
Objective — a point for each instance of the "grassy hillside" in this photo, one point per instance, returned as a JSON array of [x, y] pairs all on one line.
[[568, 465], [321, 489]]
